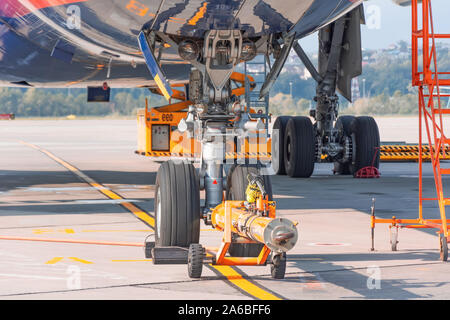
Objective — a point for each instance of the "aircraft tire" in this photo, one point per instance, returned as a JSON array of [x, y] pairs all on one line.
[[367, 143], [278, 266], [299, 147], [195, 260], [277, 151], [177, 205], [343, 124], [236, 185]]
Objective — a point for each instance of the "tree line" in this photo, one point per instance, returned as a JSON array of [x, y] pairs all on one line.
[[387, 88]]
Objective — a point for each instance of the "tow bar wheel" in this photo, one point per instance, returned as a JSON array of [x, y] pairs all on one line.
[[177, 205], [394, 237], [443, 247], [278, 266], [195, 260]]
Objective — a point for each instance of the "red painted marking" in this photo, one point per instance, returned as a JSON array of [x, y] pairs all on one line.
[[314, 285], [215, 182], [14, 8]]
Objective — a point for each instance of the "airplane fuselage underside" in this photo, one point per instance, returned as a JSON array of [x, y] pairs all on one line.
[[75, 43]]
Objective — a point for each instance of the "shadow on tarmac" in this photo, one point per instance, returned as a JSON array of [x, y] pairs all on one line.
[[329, 270]]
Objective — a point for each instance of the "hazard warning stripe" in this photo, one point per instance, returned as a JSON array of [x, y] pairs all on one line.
[[404, 156], [411, 152], [407, 148], [263, 155]]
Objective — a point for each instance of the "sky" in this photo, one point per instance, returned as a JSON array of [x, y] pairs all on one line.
[[388, 23]]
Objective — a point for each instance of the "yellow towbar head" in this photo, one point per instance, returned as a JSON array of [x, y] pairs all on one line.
[[246, 220]]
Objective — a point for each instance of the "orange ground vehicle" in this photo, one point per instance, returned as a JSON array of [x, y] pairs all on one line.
[[158, 136]]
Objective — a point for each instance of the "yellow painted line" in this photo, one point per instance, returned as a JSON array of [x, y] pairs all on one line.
[[110, 194], [139, 213], [239, 281], [43, 231], [144, 216], [80, 260], [58, 259], [54, 260], [137, 260]]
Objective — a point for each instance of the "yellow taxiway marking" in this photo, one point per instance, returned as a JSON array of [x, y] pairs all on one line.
[[239, 281], [58, 259], [144, 216], [43, 231], [80, 260], [54, 260]]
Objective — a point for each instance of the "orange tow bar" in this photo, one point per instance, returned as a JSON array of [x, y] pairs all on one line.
[[253, 223], [247, 222]]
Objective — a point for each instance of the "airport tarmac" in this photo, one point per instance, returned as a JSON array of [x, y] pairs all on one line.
[[70, 192]]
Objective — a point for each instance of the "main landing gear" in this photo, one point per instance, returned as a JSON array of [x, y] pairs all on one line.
[[296, 147], [351, 143]]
